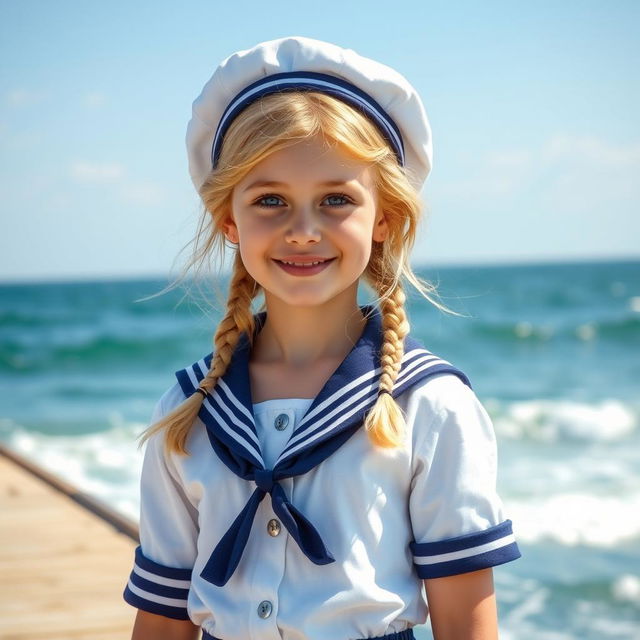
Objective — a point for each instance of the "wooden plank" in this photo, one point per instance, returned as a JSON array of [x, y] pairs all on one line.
[[90, 503], [64, 559]]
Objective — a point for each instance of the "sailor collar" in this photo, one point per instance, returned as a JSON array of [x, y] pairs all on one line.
[[336, 413]]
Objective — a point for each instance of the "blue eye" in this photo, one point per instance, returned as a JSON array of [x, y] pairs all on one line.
[[337, 199], [270, 201]]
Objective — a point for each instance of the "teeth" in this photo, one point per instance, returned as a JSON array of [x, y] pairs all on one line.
[[303, 264]]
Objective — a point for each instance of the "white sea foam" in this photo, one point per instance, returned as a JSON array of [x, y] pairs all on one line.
[[106, 465], [608, 627], [627, 589], [577, 519], [570, 472], [551, 421]]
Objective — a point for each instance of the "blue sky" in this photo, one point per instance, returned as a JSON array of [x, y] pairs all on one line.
[[534, 109]]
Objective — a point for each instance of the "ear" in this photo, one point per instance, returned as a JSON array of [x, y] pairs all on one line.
[[230, 230], [380, 228]]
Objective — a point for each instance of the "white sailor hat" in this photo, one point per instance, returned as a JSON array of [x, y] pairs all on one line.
[[297, 63]]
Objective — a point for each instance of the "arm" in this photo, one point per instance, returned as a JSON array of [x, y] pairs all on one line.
[[160, 581], [463, 606], [149, 625], [456, 514]]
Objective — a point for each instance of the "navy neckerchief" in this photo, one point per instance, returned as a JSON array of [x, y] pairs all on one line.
[[335, 415]]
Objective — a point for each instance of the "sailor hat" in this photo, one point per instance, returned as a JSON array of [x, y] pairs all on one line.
[[303, 64]]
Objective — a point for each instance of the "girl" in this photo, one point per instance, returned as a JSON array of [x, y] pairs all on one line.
[[305, 479]]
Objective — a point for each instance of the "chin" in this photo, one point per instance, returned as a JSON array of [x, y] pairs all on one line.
[[306, 299], [305, 302]]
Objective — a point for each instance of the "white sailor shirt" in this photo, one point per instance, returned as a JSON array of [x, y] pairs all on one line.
[[388, 518]]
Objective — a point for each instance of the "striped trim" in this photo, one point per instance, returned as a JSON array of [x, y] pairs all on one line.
[[348, 390], [235, 427], [407, 634], [237, 436], [158, 589], [225, 409], [309, 81], [248, 415], [161, 580], [359, 394], [469, 552], [243, 417]]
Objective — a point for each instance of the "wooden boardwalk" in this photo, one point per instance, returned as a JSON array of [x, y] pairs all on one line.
[[64, 560]]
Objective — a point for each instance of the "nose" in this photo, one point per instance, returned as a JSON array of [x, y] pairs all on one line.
[[303, 227]]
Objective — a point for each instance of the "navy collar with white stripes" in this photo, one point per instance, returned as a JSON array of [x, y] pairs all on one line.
[[334, 416]]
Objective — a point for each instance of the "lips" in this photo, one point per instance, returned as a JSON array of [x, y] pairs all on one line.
[[303, 265]]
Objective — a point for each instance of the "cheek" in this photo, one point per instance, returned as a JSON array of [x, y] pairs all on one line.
[[250, 250], [358, 236], [255, 247]]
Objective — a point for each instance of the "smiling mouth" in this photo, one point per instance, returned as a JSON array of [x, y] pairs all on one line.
[[304, 266], [313, 263]]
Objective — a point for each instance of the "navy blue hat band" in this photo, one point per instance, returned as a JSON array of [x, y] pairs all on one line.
[[310, 81]]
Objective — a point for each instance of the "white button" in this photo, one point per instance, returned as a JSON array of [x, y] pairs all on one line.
[[273, 527], [264, 609], [281, 422]]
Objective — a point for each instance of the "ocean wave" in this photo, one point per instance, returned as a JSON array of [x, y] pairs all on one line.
[[627, 589], [21, 319], [106, 465], [578, 518], [621, 328], [88, 351], [593, 607], [564, 420], [513, 331]]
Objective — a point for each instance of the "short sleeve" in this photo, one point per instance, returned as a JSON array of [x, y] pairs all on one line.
[[161, 575], [456, 514]]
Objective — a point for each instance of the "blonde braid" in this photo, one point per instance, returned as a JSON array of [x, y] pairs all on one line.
[[385, 422], [237, 320]]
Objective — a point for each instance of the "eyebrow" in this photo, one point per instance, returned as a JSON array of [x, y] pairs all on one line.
[[279, 185]]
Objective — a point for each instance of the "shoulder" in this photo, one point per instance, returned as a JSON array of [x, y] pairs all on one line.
[[433, 384], [442, 409], [169, 400], [439, 392]]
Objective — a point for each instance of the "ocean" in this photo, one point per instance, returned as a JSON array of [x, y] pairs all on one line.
[[553, 352]]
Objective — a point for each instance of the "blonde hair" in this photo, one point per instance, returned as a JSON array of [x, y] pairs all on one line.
[[275, 122]]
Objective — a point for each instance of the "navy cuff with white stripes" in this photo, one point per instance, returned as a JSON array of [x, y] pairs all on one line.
[[469, 552], [158, 589]]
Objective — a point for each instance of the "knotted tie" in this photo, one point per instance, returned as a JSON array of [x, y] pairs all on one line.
[[226, 556]]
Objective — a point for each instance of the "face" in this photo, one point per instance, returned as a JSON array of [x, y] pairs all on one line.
[[304, 219]]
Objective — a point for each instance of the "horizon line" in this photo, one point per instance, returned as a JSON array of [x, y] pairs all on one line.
[[443, 263]]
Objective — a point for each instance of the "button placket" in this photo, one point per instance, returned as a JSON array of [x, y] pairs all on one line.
[[276, 425]]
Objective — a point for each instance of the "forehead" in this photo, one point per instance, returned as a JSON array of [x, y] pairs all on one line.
[[312, 160]]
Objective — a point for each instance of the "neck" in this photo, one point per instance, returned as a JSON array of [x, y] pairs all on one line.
[[303, 336]]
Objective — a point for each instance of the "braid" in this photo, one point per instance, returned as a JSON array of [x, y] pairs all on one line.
[[395, 327], [385, 422], [237, 320]]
